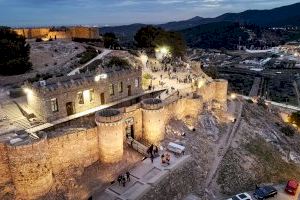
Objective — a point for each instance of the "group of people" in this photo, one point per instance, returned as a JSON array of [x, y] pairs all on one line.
[[165, 159], [123, 178]]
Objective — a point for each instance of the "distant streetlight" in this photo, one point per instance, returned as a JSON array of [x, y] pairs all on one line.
[[162, 52], [233, 96]]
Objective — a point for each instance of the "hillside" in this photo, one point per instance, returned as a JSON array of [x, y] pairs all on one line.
[[282, 16], [215, 35]]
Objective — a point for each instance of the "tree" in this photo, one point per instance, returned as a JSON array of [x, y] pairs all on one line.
[[145, 36], [173, 40], [14, 53], [110, 40], [151, 37]]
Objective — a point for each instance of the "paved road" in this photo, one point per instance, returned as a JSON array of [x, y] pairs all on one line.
[[100, 56]]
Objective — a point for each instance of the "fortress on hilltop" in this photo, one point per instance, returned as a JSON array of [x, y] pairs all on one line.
[[28, 165], [59, 33]]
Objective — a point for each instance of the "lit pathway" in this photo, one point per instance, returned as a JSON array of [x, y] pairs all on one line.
[[143, 178], [100, 56], [282, 105]]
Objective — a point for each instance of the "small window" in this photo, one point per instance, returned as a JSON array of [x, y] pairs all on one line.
[[120, 88], [111, 89], [137, 82], [92, 95], [80, 98], [54, 105]]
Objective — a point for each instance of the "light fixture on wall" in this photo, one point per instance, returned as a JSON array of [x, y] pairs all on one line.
[[100, 76]]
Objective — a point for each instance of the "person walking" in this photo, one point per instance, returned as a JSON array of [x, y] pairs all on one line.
[[123, 180], [128, 176], [152, 158], [119, 179]]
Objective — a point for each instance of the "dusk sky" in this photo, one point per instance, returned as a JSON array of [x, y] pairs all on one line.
[[116, 12]]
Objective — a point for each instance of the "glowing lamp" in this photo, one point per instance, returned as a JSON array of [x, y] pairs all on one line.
[[27, 91], [100, 76], [233, 96]]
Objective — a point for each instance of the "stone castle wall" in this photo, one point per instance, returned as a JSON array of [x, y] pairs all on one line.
[[216, 90], [74, 148], [4, 166], [31, 166], [72, 32], [30, 169]]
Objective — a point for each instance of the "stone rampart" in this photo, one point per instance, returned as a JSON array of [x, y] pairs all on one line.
[[30, 169], [73, 148], [4, 166]]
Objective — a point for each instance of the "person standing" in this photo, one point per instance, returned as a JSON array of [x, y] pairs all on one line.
[[123, 180], [119, 179], [128, 176]]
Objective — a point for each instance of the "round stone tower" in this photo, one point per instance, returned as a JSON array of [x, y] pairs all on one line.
[[153, 120], [111, 131], [30, 168]]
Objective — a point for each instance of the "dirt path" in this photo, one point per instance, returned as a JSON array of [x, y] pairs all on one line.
[[224, 144]]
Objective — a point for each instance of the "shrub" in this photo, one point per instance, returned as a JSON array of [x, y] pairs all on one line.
[[288, 131], [118, 62], [14, 53], [88, 55]]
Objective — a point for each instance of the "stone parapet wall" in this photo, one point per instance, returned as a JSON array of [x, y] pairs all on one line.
[[216, 90], [5, 176], [74, 148], [71, 32], [30, 169]]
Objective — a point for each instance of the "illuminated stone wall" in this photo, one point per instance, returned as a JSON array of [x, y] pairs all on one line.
[[58, 35], [5, 176], [39, 97], [133, 116], [153, 120], [84, 32], [216, 90], [111, 132], [73, 148], [72, 32], [31, 169]]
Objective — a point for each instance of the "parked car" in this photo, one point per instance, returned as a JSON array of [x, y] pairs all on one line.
[[291, 187], [242, 196], [265, 192]]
